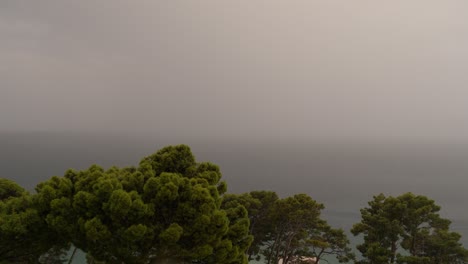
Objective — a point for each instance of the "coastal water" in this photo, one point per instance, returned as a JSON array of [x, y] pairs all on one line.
[[343, 177]]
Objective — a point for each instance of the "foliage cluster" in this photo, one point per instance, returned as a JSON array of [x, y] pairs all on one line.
[[290, 228], [172, 209], [407, 230], [169, 207]]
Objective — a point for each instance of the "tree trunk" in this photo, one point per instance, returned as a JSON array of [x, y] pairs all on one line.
[[274, 251], [392, 260], [72, 256]]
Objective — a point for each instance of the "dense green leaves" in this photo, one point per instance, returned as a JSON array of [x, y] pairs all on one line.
[[289, 228], [298, 231], [407, 229], [24, 234], [9, 189], [167, 207], [259, 205]]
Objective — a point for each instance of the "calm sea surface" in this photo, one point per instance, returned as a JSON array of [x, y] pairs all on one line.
[[342, 176]]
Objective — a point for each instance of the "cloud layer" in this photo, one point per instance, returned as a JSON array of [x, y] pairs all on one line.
[[276, 70]]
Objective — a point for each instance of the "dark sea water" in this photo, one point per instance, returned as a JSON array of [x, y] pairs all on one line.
[[343, 177]]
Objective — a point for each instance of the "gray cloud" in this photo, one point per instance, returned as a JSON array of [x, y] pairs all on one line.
[[308, 70]]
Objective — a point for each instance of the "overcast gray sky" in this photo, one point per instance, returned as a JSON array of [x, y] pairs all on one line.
[[307, 70]]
